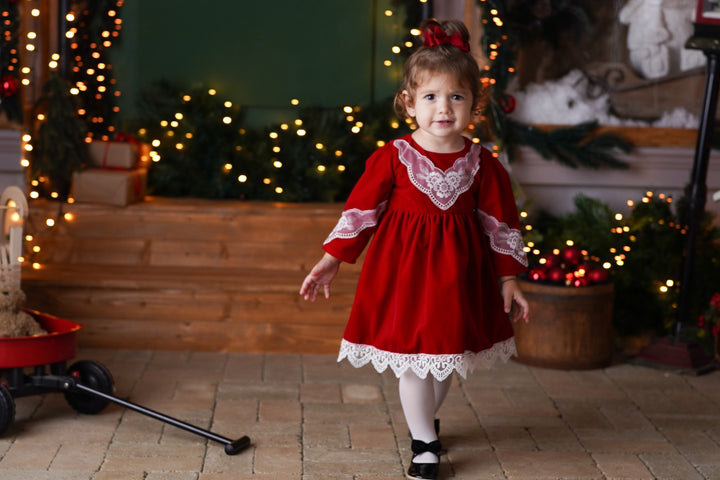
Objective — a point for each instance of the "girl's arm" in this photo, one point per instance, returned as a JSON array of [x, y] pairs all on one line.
[[321, 275], [511, 293]]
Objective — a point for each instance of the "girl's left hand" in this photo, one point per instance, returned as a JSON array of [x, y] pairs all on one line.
[[512, 294]]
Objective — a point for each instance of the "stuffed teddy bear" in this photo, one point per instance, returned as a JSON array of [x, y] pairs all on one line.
[[15, 322]]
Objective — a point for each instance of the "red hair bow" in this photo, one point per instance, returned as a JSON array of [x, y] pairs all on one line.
[[435, 36]]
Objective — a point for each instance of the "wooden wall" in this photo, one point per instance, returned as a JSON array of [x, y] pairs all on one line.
[[187, 274]]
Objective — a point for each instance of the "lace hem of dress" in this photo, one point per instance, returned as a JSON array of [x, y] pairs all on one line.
[[439, 366]]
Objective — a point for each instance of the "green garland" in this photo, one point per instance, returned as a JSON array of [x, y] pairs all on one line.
[[204, 149], [59, 147], [97, 25], [10, 102]]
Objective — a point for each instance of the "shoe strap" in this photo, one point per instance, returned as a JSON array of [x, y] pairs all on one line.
[[418, 447]]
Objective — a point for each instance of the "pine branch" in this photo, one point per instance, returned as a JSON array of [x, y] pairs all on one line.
[[571, 146]]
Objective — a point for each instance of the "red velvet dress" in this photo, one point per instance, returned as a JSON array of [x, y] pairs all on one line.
[[445, 227]]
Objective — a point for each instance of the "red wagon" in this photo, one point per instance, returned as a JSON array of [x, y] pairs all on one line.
[[87, 385]]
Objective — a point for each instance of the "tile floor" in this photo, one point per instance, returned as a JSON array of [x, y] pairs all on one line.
[[310, 418]]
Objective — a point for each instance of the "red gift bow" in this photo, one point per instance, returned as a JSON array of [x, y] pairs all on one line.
[[120, 137], [435, 36], [125, 138]]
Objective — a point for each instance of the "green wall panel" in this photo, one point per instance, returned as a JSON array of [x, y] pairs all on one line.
[[261, 54]]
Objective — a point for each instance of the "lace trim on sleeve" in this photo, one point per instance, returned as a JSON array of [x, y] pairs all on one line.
[[353, 221], [504, 239]]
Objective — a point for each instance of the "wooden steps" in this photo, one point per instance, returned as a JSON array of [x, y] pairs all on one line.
[[188, 274]]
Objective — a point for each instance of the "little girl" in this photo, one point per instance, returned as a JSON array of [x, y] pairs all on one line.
[[438, 281]]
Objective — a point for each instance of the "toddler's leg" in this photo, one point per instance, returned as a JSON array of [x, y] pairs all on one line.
[[441, 391], [417, 397]]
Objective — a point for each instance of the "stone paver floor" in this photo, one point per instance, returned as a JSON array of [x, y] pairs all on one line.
[[310, 418]]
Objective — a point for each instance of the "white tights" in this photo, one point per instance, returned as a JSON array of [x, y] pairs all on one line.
[[420, 399]]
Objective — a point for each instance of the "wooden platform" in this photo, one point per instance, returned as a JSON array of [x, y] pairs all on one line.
[[186, 274]]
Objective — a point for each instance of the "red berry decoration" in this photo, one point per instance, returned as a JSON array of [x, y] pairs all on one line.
[[571, 255], [8, 86]]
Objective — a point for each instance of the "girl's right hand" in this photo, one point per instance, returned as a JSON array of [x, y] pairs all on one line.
[[321, 275]]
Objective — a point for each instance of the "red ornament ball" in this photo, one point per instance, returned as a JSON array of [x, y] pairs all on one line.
[[552, 260], [598, 275], [556, 275], [507, 103], [571, 254], [9, 86], [537, 274]]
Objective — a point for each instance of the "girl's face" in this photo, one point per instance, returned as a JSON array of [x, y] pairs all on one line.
[[442, 109]]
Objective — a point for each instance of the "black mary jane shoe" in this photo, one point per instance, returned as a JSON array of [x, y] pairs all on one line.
[[443, 451], [424, 471]]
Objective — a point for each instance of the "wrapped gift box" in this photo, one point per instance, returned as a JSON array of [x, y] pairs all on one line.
[[108, 186], [123, 155]]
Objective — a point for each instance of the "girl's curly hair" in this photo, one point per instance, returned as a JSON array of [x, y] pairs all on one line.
[[443, 58]]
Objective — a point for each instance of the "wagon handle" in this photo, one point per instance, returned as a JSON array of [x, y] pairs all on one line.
[[232, 447]]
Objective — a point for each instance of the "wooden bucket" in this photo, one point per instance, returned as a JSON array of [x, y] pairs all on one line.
[[570, 328]]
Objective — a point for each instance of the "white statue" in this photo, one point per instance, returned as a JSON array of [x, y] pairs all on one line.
[[657, 32]]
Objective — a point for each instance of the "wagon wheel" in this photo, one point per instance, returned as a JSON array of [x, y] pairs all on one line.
[[7, 409], [92, 375]]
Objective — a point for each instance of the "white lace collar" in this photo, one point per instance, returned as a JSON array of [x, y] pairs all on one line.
[[442, 187]]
